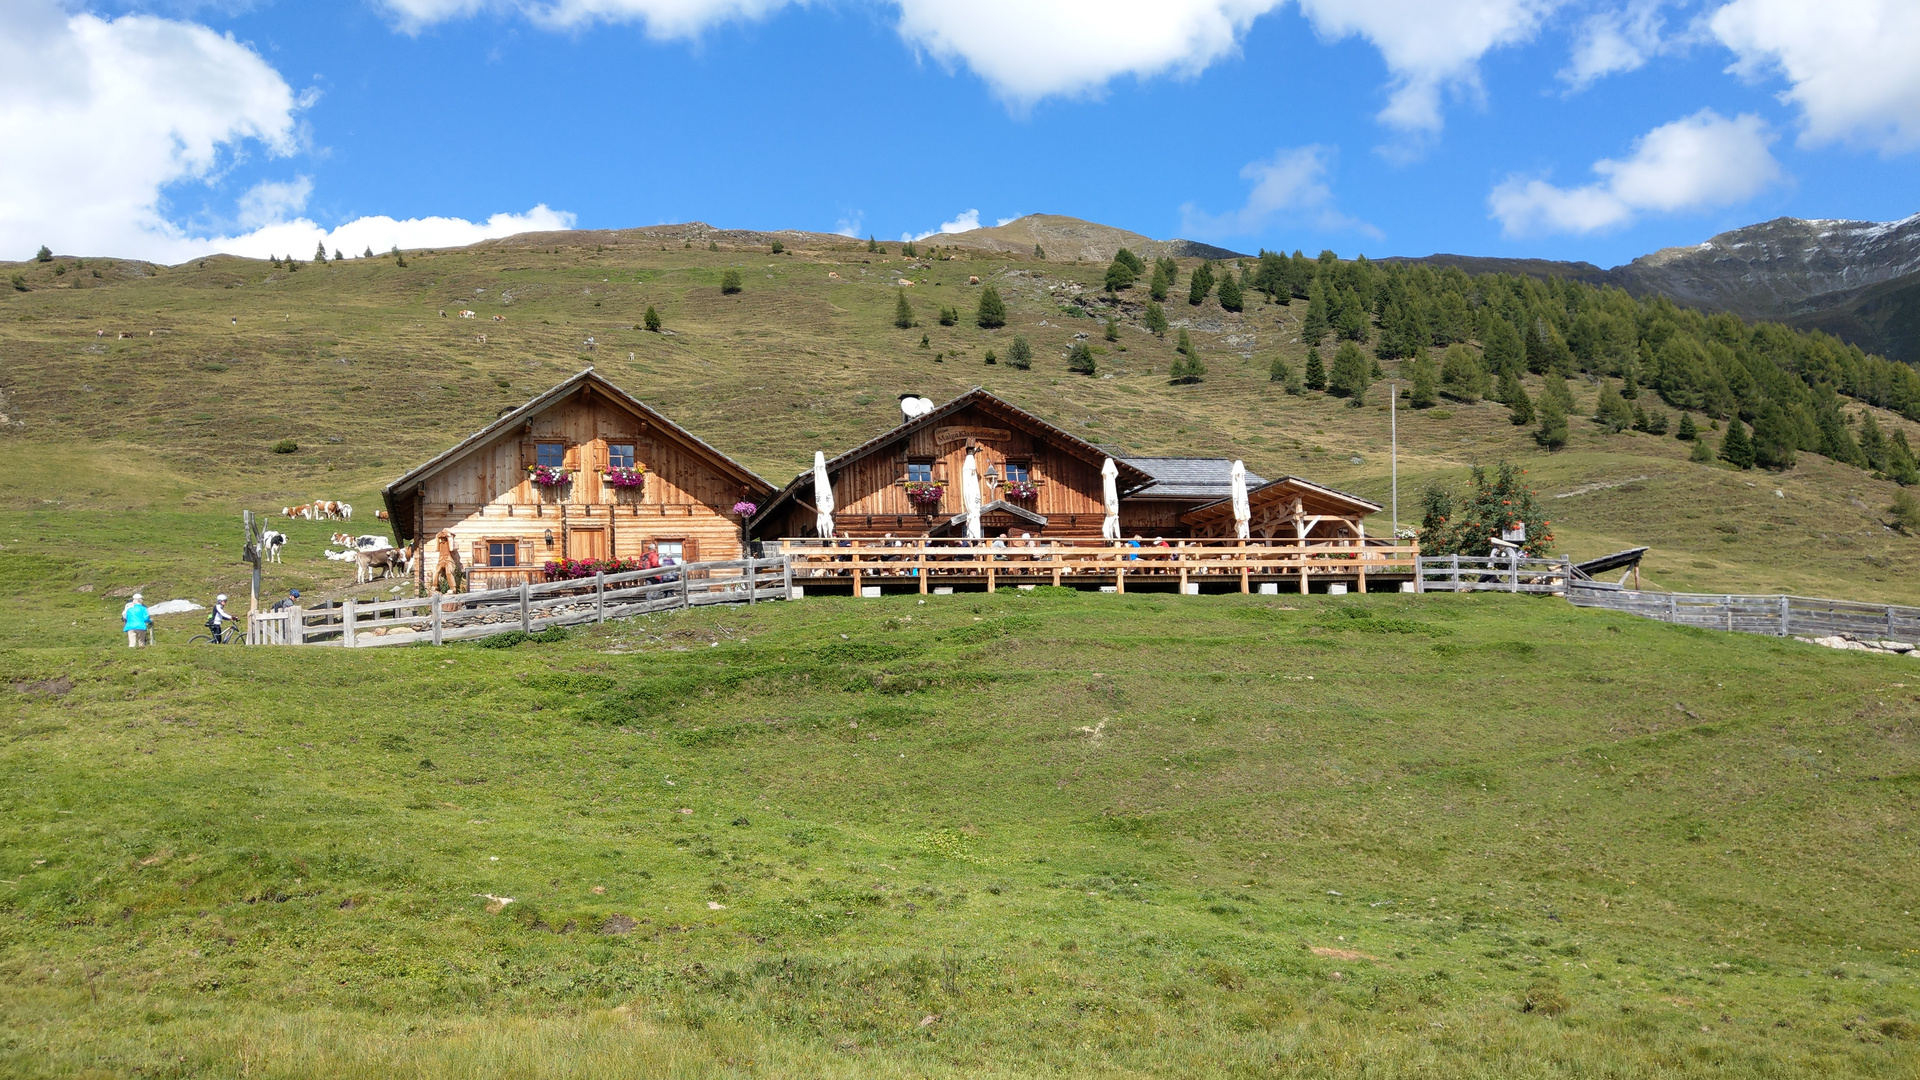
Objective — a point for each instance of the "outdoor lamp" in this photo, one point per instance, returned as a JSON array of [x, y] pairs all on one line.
[[549, 537]]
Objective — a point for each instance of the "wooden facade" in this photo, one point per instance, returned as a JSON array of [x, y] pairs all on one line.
[[871, 481], [1288, 509], [502, 527]]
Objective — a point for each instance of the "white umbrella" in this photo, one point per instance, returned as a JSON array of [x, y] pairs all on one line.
[[822, 497], [1241, 512], [1109, 487], [970, 495]]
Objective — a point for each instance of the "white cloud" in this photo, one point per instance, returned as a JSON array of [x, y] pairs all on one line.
[[1430, 46], [850, 225], [1700, 161], [1615, 41], [100, 116], [1027, 50], [965, 221], [1290, 187], [997, 222], [1851, 64], [139, 105]]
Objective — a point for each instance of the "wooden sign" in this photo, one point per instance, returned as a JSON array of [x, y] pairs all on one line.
[[971, 434]]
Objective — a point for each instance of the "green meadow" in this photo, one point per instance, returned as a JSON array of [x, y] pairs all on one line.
[[1028, 834]]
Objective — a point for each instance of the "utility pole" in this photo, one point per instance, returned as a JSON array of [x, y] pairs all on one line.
[[1393, 429], [250, 554]]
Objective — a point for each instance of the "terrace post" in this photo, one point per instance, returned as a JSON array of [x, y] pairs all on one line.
[[1363, 566], [1053, 556], [1240, 553], [347, 635], [920, 566], [856, 579], [526, 612], [1305, 586], [1180, 556], [990, 581]]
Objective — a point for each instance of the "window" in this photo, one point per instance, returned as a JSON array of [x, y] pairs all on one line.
[[1018, 472], [919, 472], [620, 456], [551, 455], [671, 549], [503, 553]]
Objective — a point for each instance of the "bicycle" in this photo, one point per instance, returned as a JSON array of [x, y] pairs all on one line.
[[223, 634]]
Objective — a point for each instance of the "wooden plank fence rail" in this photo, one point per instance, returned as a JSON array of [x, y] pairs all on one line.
[[1471, 573], [1777, 615], [527, 606]]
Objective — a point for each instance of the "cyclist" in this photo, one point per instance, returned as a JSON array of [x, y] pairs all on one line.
[[218, 620]]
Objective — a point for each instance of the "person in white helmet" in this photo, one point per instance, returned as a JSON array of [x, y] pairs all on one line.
[[217, 621]]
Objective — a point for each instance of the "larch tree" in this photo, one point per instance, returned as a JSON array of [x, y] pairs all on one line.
[[992, 313]]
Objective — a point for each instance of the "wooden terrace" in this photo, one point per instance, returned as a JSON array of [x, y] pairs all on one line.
[[1183, 565]]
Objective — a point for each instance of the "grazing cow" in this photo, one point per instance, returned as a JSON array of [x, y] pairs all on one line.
[[304, 510], [385, 560], [345, 510], [271, 542], [466, 314], [973, 279], [499, 318], [368, 542], [380, 515]]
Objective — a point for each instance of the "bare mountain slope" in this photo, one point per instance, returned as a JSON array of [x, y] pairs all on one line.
[[1064, 237]]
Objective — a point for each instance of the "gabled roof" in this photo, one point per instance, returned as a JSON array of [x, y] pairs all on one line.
[[1132, 478], [1284, 486], [1188, 477], [997, 506], [401, 488]]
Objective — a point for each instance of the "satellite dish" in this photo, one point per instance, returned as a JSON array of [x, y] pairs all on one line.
[[913, 406]]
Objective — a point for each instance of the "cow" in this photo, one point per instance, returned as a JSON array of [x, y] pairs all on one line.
[[301, 511], [271, 542], [385, 560], [973, 279], [367, 542], [381, 515]]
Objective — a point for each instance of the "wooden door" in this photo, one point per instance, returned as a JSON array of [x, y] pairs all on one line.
[[586, 543]]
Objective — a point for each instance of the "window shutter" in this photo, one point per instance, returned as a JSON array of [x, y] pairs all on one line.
[[479, 553], [690, 550]]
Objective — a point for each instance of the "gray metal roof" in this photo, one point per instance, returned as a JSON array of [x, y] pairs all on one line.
[[1188, 477]]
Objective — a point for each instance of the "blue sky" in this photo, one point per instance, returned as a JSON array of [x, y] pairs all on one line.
[[1559, 129]]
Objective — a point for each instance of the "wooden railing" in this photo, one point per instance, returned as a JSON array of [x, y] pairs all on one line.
[[872, 563], [528, 606], [1781, 616], [1469, 573]]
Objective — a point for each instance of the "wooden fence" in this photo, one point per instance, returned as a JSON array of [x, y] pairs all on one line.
[[1188, 564], [527, 606], [1781, 616], [1469, 573]]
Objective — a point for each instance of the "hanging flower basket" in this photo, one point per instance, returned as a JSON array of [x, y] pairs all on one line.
[[549, 476], [1019, 490], [926, 494], [624, 478], [745, 509]]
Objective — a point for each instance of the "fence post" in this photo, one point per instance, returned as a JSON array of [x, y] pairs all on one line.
[[786, 577], [1673, 607], [526, 612], [600, 596], [1786, 615], [1456, 571], [1513, 575], [1419, 575], [435, 599], [686, 587], [347, 628], [1728, 600], [1889, 620], [753, 577], [1566, 575]]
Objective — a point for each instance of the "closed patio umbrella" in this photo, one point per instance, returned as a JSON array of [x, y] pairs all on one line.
[[1110, 490], [970, 495], [1241, 512], [822, 497]]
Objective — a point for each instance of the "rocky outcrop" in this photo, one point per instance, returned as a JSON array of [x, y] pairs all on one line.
[[1860, 644]]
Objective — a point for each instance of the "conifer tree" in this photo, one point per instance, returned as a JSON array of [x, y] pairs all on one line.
[[991, 358], [730, 282], [1461, 374], [367, 254], [1775, 438], [1687, 432], [1611, 411], [949, 316], [1350, 316], [992, 313], [1038, 253], [337, 257], [1502, 345], [45, 254], [1506, 387], [1113, 328], [1231, 298], [1080, 359], [1552, 434], [1187, 369], [873, 246], [275, 259], [1156, 320], [1201, 284], [1904, 514], [1349, 375], [1873, 443], [1901, 465], [651, 320], [909, 250], [902, 310], [1735, 448], [1274, 277], [1316, 370], [1020, 354], [1629, 386], [320, 252], [1701, 452], [1318, 321], [924, 342], [1423, 393], [1160, 283], [1278, 371], [1185, 345], [1519, 405], [1133, 262], [1120, 275]]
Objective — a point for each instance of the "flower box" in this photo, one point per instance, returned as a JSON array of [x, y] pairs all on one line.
[[624, 478], [1019, 490], [926, 494], [549, 476]]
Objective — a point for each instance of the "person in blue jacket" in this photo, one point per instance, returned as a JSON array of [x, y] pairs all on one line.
[[139, 622]]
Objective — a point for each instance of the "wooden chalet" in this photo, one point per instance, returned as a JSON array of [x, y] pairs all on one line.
[[1180, 484], [502, 527], [873, 482], [1286, 509]]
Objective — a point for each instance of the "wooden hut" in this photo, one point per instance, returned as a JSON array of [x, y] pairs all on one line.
[[483, 499], [1287, 509], [1180, 484], [875, 483]]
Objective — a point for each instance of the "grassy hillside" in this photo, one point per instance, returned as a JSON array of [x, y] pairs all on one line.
[[125, 460], [1245, 836]]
